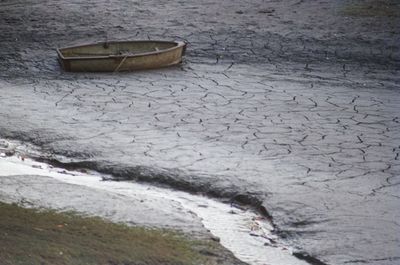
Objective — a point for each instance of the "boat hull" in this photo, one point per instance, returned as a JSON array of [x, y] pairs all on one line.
[[117, 63]]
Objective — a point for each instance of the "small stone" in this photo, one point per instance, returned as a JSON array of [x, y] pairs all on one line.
[[215, 238]]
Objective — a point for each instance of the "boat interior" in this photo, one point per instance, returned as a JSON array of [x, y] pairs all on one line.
[[116, 48]]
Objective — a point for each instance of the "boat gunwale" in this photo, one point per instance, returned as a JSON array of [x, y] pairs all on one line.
[[179, 44]]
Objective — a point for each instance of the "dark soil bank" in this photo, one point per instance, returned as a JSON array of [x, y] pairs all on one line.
[[29, 236], [290, 104]]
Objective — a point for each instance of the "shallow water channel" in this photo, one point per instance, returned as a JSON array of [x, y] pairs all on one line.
[[248, 235]]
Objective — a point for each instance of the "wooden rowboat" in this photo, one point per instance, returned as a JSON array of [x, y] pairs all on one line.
[[121, 56]]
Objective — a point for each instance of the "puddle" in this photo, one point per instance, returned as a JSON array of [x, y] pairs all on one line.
[[248, 235]]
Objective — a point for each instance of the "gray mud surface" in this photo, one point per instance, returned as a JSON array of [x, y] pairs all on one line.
[[292, 104]]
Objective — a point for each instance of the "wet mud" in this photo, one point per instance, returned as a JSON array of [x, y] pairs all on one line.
[[289, 106]]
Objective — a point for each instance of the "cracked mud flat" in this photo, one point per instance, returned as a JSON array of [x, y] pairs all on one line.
[[291, 104]]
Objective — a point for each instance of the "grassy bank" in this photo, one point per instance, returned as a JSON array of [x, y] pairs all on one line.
[[28, 236]]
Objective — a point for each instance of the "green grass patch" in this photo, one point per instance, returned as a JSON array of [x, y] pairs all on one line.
[[373, 8], [29, 236]]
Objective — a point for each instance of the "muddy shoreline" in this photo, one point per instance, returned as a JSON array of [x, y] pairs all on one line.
[[39, 185]]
